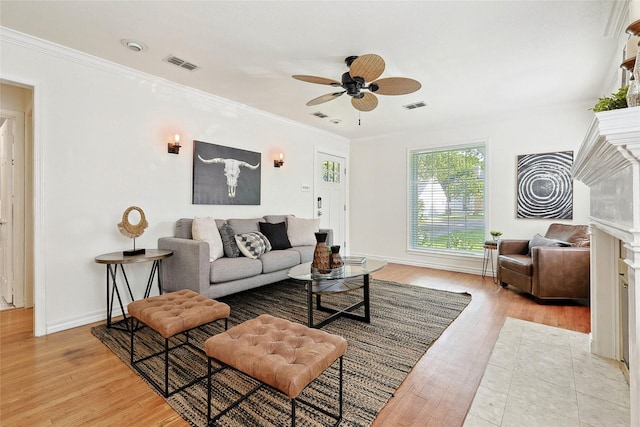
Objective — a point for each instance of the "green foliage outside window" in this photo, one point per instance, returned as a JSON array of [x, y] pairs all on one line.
[[447, 199]]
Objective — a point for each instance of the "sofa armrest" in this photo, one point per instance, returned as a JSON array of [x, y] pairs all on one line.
[[513, 247], [561, 272], [188, 268]]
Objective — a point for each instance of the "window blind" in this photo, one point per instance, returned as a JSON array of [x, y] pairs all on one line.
[[446, 198]]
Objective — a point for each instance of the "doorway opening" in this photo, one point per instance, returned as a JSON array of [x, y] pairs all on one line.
[[17, 282]]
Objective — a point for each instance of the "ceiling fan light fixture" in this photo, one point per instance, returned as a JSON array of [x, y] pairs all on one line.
[[362, 69]]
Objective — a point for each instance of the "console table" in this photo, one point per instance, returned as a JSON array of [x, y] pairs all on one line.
[[319, 287], [115, 260]]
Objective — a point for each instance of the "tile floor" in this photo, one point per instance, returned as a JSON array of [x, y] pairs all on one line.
[[539, 375]]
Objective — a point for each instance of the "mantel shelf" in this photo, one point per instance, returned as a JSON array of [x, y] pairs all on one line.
[[612, 143]]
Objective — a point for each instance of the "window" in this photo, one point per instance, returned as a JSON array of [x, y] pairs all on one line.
[[331, 172], [446, 198]]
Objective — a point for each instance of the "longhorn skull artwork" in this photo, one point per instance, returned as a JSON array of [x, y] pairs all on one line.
[[225, 175], [231, 171]]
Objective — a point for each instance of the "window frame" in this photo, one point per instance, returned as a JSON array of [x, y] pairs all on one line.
[[484, 143]]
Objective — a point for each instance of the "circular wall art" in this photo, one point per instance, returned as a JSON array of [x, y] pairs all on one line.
[[545, 185]]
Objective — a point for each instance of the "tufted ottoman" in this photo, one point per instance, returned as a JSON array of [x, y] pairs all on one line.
[[283, 355], [171, 314]]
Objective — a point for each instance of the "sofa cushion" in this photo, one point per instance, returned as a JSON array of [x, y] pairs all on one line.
[[241, 226], [183, 228], [279, 260], [539, 240], [227, 269], [277, 235], [229, 245], [253, 245], [301, 230], [306, 252], [274, 219], [205, 229]]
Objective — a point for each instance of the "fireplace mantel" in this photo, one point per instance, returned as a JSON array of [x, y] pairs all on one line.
[[609, 163]]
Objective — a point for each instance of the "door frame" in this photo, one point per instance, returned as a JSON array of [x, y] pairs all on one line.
[[316, 179], [34, 169]]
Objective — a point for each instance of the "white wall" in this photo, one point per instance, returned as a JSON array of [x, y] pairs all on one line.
[[101, 146], [379, 179]]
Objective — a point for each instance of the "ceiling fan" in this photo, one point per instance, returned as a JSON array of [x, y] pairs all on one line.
[[362, 75]]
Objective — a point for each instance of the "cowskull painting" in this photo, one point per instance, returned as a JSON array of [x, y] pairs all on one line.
[[225, 175], [545, 185]]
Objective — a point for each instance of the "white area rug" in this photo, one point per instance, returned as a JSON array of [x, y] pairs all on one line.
[[539, 375]]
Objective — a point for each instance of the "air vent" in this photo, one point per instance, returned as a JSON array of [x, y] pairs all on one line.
[[319, 114], [181, 63], [414, 105]]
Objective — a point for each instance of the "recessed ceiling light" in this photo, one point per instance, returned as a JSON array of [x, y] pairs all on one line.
[[133, 45]]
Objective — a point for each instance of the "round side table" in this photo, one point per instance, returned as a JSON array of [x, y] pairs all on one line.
[[115, 260], [487, 259]]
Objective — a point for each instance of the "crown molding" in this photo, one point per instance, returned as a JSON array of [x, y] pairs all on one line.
[[46, 47]]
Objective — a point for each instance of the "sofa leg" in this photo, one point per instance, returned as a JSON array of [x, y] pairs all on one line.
[[504, 285]]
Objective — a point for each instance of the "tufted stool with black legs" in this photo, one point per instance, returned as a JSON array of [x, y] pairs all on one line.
[[283, 355], [169, 315]]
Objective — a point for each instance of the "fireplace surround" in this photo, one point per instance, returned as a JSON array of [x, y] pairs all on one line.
[[609, 163]]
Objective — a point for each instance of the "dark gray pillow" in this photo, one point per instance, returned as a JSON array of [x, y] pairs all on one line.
[[229, 245], [277, 234], [539, 240]]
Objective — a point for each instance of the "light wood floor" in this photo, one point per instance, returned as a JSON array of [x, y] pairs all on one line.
[[70, 378]]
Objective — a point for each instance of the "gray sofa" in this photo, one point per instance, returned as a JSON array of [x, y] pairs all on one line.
[[190, 266]]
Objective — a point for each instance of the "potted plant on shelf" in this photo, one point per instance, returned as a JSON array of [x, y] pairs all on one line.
[[614, 102], [495, 234]]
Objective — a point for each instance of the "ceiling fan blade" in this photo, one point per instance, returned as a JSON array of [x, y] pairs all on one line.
[[396, 86], [369, 67], [367, 103], [324, 98], [317, 80]]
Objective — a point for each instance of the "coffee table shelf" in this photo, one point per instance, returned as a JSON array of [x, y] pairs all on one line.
[[319, 287]]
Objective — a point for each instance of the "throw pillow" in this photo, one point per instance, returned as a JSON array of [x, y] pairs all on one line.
[[229, 244], [277, 234], [301, 231], [253, 245], [205, 229], [539, 240]]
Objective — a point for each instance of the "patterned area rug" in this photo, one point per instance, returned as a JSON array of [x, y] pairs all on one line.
[[405, 321]]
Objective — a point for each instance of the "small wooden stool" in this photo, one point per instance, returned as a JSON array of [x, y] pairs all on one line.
[[169, 315], [283, 355]]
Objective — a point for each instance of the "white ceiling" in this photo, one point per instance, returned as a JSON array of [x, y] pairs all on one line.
[[473, 58]]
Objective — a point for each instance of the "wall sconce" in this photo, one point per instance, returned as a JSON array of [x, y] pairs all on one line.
[[279, 162], [174, 148]]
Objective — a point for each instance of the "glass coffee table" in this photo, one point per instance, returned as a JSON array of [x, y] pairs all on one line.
[[319, 287]]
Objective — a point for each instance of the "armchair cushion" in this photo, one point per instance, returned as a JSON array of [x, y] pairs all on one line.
[[539, 240]]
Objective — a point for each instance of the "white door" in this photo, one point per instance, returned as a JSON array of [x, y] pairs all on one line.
[[331, 196], [6, 208]]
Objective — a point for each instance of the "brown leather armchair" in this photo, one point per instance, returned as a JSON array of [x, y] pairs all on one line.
[[548, 272]]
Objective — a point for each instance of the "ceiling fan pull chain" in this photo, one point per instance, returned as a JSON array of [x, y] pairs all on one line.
[[358, 118]]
